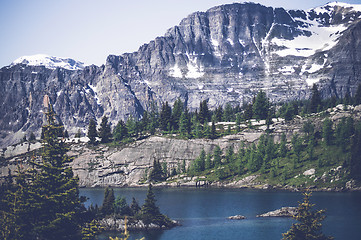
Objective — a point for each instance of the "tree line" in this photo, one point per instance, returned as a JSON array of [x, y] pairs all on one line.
[[206, 123], [325, 147]]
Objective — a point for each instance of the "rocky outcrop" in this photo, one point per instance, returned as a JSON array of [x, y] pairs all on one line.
[[118, 224], [223, 55], [283, 212], [236, 217]]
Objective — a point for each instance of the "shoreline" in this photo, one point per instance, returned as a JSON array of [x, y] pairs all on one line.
[[268, 188]]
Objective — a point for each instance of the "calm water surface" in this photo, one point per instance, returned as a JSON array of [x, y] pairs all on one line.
[[203, 213]]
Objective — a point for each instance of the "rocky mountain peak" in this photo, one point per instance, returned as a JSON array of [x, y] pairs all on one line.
[[49, 62], [224, 55]]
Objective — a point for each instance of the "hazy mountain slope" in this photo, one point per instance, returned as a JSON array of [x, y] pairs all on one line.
[[225, 54]]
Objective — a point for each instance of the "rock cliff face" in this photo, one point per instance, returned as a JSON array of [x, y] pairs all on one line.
[[225, 54]]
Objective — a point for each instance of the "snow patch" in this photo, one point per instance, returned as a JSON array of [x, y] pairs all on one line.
[[194, 71], [230, 41], [49, 62], [95, 90], [215, 43], [311, 81], [175, 71], [322, 38]]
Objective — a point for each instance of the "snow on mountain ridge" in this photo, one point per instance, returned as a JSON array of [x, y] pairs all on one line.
[[49, 62]]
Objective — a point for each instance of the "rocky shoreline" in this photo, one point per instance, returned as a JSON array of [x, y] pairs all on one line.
[[118, 224]]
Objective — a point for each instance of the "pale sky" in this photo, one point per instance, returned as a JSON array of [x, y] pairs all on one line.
[[90, 30]]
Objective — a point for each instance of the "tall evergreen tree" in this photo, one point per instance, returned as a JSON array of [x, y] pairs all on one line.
[[165, 117], [58, 205], [309, 226], [176, 113], [105, 133], [217, 156], [204, 114], [327, 132], [108, 202], [134, 207], [92, 131], [315, 101], [199, 163], [120, 131], [150, 212], [184, 123], [227, 113], [261, 106], [32, 137], [355, 164], [132, 127], [156, 174], [282, 150]]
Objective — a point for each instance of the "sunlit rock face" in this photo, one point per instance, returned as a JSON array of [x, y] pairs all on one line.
[[224, 55]]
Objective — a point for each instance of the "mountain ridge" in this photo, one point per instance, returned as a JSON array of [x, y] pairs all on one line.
[[224, 55]]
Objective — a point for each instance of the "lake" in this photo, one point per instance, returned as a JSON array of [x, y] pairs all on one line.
[[203, 212]]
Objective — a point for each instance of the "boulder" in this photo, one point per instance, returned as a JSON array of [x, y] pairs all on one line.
[[236, 217], [283, 212]]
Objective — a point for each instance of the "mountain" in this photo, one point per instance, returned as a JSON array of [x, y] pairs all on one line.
[[224, 55], [49, 62]]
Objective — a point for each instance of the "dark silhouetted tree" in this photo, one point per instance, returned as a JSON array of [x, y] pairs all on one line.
[[92, 131], [315, 101], [261, 106], [309, 225], [105, 132]]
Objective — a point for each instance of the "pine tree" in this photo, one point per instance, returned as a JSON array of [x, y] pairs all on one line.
[[238, 122], [204, 114], [309, 226], [208, 162], [327, 132], [66, 134], [120, 131], [297, 146], [282, 150], [78, 134], [150, 212], [32, 137], [213, 134], [229, 157], [156, 174], [199, 163], [355, 164], [132, 127], [108, 202], [134, 207], [184, 124], [121, 207], [92, 131], [105, 133], [315, 101], [261, 106], [176, 113], [165, 117], [217, 156], [228, 113], [58, 205]]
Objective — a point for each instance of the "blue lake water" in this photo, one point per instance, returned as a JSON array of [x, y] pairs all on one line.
[[203, 212]]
